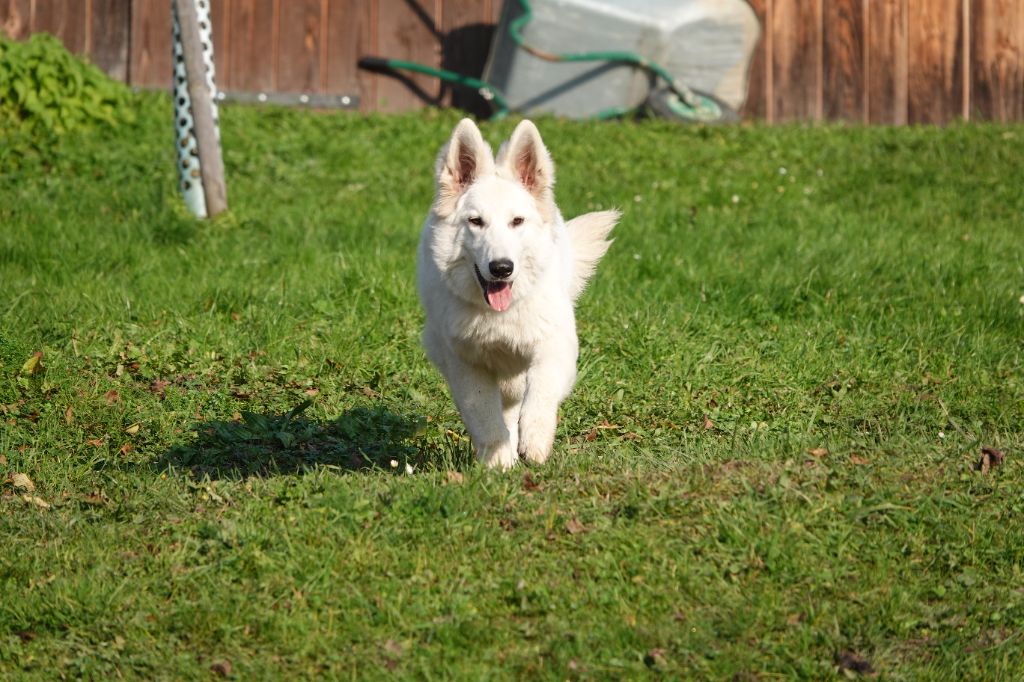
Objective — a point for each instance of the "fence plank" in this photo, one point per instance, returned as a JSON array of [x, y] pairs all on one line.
[[65, 19], [406, 29], [298, 60], [997, 59], [756, 105], [796, 60], [16, 18], [111, 24], [843, 60], [351, 34], [935, 60], [886, 49], [466, 29], [251, 46], [149, 64]]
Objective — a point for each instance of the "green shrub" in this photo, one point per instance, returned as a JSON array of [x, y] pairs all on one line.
[[44, 88]]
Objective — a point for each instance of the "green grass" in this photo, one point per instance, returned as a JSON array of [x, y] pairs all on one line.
[[227, 410]]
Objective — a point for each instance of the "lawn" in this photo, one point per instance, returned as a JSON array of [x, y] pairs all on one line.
[[233, 459]]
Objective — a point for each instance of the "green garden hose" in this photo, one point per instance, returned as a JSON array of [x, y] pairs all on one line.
[[486, 90]]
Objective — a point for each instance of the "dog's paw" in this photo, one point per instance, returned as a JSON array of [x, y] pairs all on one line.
[[535, 455], [501, 456], [536, 446], [537, 436]]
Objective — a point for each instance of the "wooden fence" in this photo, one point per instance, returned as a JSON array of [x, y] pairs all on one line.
[[872, 61]]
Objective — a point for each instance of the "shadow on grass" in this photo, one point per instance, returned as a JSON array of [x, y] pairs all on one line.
[[273, 444]]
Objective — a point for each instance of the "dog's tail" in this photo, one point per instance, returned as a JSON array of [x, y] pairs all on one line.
[[587, 234]]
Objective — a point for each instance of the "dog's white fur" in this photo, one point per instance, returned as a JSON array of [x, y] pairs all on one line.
[[508, 370]]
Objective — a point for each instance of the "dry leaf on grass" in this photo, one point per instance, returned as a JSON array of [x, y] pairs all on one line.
[[855, 663], [529, 483], [990, 459], [817, 452], [133, 429], [22, 482], [96, 498], [37, 501], [454, 477], [3, 461], [857, 459], [33, 365], [655, 658], [574, 527], [69, 416], [708, 424], [222, 668], [111, 396]]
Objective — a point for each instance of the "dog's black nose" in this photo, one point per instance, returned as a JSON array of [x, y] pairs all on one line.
[[501, 268]]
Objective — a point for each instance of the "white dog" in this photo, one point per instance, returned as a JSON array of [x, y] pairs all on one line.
[[498, 272]]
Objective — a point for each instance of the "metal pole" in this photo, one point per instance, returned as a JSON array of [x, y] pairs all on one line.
[[199, 94]]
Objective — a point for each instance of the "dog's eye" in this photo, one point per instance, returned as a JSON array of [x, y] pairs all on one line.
[[517, 221], [476, 220]]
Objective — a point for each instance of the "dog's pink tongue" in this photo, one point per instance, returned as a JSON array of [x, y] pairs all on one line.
[[499, 295]]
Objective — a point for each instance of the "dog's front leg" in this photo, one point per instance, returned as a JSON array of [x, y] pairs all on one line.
[[478, 398], [546, 387]]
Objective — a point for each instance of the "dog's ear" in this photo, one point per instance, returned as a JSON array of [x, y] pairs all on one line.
[[465, 158], [525, 159]]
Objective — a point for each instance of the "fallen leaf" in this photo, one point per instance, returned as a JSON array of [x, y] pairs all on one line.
[[529, 483], [3, 461], [125, 449], [158, 386], [96, 498], [26, 635], [133, 429], [393, 648], [111, 396], [222, 668], [990, 458], [708, 424], [312, 391], [95, 442], [22, 482], [817, 452], [848, 660], [454, 477], [69, 416], [37, 501], [574, 527], [655, 658], [857, 459], [34, 364], [591, 436]]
